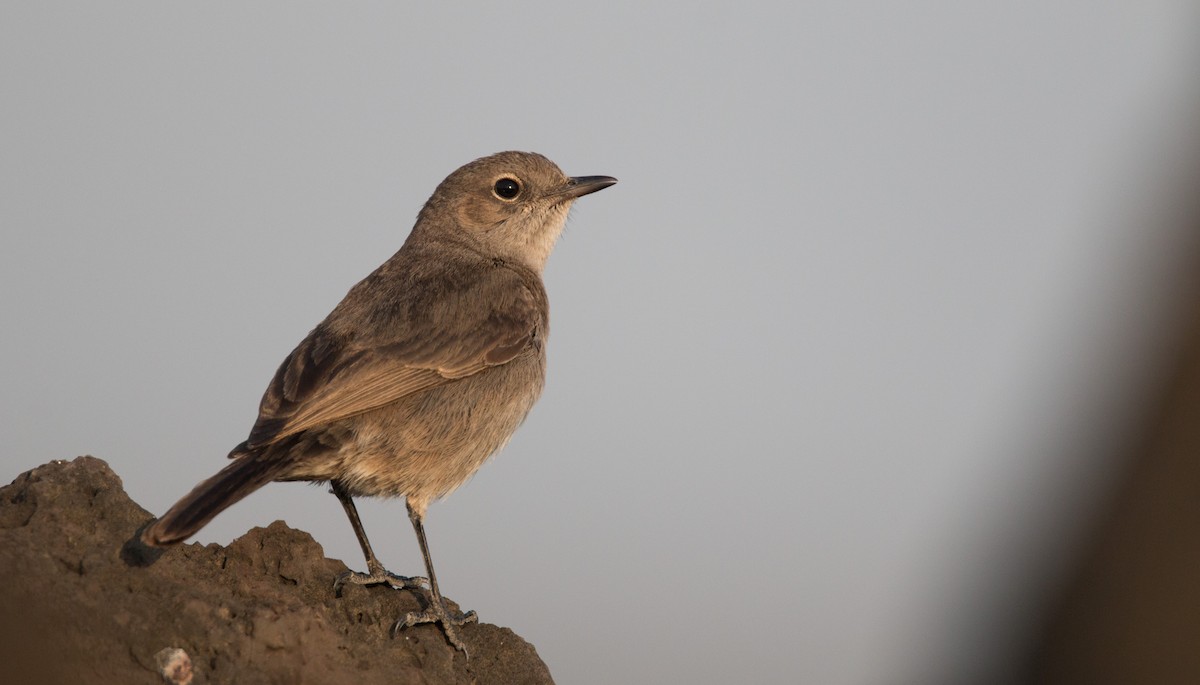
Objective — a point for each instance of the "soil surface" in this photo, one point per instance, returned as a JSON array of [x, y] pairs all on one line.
[[82, 602]]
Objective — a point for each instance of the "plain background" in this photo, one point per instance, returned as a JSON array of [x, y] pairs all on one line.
[[826, 367]]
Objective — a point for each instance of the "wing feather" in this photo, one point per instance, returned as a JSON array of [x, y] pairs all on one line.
[[328, 377]]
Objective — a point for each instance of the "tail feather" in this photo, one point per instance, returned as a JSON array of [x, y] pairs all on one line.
[[246, 474]]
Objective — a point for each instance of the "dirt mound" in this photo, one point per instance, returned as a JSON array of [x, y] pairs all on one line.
[[83, 604]]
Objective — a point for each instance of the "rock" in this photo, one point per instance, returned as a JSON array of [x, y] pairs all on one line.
[[82, 603], [175, 666]]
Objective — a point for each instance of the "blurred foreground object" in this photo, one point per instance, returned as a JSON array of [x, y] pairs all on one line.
[[1130, 609]]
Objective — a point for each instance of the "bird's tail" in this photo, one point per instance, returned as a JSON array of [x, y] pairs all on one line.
[[247, 473]]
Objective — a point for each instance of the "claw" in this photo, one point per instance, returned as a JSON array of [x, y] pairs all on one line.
[[438, 613], [378, 576]]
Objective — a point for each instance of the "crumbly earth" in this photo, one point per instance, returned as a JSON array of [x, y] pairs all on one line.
[[81, 602]]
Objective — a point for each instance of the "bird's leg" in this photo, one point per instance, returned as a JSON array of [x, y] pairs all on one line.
[[376, 574], [437, 611]]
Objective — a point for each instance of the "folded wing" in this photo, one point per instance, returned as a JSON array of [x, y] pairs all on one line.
[[327, 378]]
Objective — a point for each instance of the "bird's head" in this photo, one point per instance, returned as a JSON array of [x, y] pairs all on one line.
[[511, 205]]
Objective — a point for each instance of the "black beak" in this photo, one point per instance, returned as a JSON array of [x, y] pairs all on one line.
[[578, 186]]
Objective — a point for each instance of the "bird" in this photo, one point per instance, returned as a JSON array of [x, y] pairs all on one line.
[[420, 374]]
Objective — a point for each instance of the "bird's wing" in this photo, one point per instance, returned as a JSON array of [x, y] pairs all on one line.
[[324, 379]]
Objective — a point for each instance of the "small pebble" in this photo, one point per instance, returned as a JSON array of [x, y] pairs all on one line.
[[175, 666]]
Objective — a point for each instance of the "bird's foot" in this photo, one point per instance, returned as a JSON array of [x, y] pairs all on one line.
[[438, 613], [377, 575]]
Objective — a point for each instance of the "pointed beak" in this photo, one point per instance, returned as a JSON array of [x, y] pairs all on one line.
[[578, 186]]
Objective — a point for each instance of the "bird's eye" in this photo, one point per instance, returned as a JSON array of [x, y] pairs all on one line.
[[507, 188]]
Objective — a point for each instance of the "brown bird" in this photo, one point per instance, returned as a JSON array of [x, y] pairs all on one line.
[[423, 371]]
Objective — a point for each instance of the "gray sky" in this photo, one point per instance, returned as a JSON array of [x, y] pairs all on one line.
[[813, 362]]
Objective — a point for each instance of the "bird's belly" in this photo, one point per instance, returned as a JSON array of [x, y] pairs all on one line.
[[426, 445]]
